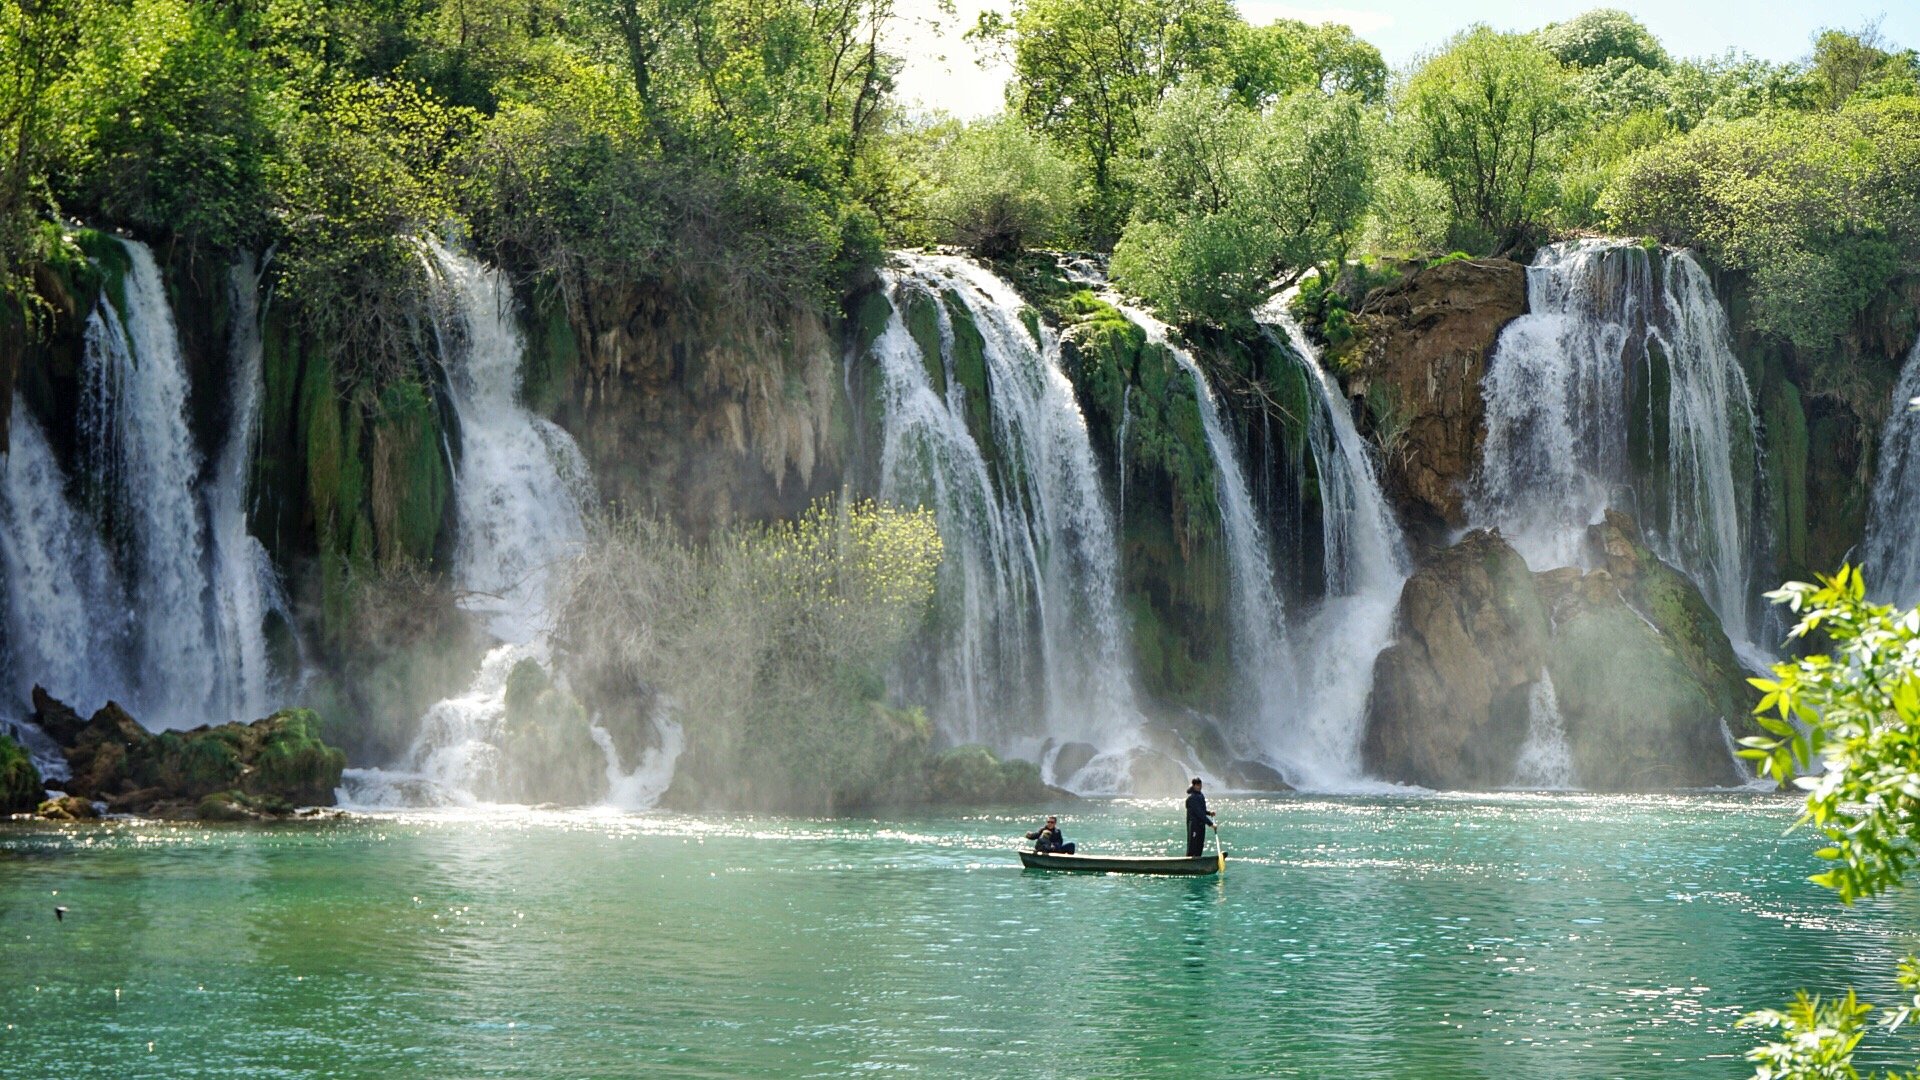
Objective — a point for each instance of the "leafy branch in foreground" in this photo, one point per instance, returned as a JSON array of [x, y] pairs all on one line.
[[1851, 712]]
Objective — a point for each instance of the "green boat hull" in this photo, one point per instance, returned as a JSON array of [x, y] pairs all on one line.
[[1198, 866]]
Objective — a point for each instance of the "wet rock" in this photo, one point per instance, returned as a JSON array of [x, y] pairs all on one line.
[[1254, 776], [1421, 347], [240, 806], [1642, 672], [972, 775], [68, 808], [114, 759], [547, 749], [1449, 701], [1152, 774], [56, 718], [1072, 758]]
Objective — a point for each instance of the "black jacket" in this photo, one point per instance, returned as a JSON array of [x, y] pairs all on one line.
[[1045, 839], [1197, 812]]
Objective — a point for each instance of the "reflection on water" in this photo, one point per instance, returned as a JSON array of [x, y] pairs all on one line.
[[1440, 937]]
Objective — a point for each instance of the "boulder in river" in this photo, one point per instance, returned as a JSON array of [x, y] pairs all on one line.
[[1449, 702], [1643, 675], [113, 759], [67, 808]]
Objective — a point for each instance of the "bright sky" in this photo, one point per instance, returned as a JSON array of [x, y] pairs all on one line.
[[941, 71]]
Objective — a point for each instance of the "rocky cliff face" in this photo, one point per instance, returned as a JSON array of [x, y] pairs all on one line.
[[1420, 348], [1449, 702], [1643, 675], [708, 416]]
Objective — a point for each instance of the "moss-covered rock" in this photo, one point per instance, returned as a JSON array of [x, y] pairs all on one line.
[[972, 776], [241, 806], [1643, 674], [20, 786], [547, 749], [282, 758], [67, 808]]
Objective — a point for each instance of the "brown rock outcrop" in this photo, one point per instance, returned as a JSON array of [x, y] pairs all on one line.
[[1421, 346], [279, 761], [1642, 672], [1449, 703]]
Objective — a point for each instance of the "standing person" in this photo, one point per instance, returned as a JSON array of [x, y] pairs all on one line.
[[1048, 839], [1198, 818]]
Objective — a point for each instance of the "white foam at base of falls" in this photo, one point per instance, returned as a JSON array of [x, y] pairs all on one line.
[[521, 493], [1892, 555], [1545, 761]]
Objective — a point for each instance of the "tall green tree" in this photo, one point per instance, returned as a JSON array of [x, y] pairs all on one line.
[[37, 45], [1491, 116], [1235, 202], [1090, 72], [1264, 63]]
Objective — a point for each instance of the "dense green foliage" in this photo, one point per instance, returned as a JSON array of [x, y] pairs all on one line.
[[1231, 199], [1844, 725], [720, 148], [748, 155], [1186, 126], [20, 788]]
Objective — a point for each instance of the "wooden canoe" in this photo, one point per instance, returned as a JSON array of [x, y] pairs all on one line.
[[1125, 864]]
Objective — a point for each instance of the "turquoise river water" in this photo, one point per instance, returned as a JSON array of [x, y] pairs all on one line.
[[1498, 936]]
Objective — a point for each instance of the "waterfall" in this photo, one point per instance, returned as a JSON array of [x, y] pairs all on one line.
[[1546, 761], [1619, 388], [248, 591], [1262, 649], [142, 584], [1892, 558], [521, 493], [141, 453], [522, 484], [1028, 641], [1366, 563], [67, 616]]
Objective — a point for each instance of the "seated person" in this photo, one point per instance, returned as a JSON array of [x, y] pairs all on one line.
[[1047, 839]]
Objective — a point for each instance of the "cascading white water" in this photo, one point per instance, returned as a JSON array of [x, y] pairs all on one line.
[[153, 593], [67, 616], [1262, 647], [521, 493], [1030, 629], [1559, 430], [522, 483], [1366, 563], [1892, 560], [247, 589], [141, 452], [1545, 761]]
